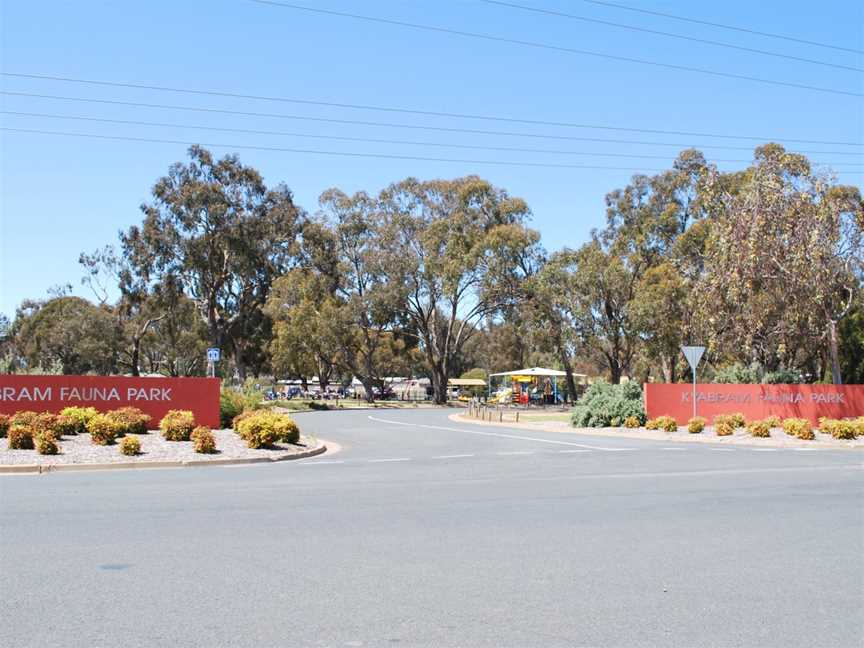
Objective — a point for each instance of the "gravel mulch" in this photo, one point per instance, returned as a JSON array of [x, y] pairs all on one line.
[[79, 450]]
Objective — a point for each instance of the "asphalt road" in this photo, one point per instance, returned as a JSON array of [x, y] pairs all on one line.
[[426, 532]]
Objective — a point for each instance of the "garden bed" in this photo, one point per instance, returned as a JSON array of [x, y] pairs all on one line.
[[78, 449]]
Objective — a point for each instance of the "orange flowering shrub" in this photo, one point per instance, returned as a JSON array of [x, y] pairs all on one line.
[[203, 440]]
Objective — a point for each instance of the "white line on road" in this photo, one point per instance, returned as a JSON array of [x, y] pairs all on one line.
[[673, 448], [571, 451], [521, 452], [389, 460], [459, 456], [722, 449], [498, 434]]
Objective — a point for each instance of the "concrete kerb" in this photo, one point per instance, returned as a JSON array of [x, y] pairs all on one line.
[[648, 435], [321, 448]]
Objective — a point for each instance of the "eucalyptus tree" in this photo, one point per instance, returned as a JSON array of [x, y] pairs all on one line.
[[784, 260], [452, 253], [216, 227]]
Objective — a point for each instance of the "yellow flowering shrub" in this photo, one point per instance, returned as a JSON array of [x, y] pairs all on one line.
[[177, 425]]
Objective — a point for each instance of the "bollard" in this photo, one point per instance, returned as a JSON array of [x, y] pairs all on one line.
[[517, 416]]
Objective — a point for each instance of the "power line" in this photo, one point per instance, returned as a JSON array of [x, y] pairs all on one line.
[[704, 41], [439, 129], [557, 48], [367, 140], [319, 152], [546, 165], [409, 111], [744, 30]]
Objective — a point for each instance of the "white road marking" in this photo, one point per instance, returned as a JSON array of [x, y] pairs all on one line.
[[459, 456], [673, 448], [805, 449], [722, 449], [498, 434], [571, 451], [522, 452], [389, 460]]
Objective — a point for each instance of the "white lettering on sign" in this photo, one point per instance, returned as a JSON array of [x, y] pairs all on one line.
[[24, 394], [152, 394], [86, 394]]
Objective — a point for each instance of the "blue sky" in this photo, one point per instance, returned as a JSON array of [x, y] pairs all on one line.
[[60, 196]]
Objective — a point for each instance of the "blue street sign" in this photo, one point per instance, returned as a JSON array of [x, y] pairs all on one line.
[[213, 354]]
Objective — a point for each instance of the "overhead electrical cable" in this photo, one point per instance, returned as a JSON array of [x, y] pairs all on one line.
[[557, 48], [410, 111], [744, 30], [367, 139], [547, 165], [704, 41]]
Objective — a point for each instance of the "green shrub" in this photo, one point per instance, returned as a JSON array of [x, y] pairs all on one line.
[[603, 402], [737, 420], [667, 424], [203, 440], [631, 422], [232, 403], [130, 446], [798, 427], [4, 424], [103, 429], [839, 428], [263, 428], [290, 432], [772, 421], [24, 417], [723, 428], [652, 424], [130, 420], [760, 428], [696, 424], [66, 425], [177, 425], [81, 416], [46, 444], [20, 437]]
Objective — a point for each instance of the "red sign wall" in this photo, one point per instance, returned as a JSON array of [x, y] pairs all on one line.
[[754, 401], [153, 396]]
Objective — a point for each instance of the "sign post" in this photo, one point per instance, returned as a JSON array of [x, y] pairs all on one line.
[[212, 359], [693, 355]]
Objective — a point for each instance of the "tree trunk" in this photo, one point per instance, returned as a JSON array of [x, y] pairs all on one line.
[[836, 376], [369, 388], [569, 380], [614, 372], [439, 385], [136, 355]]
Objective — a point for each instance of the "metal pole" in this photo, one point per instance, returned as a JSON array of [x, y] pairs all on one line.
[[694, 392]]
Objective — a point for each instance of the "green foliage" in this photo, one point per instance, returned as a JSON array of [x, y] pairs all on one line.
[[760, 428], [130, 445], [46, 444], [177, 425], [130, 420], [81, 416], [603, 402], [798, 427], [723, 428], [103, 429], [203, 440], [233, 402], [840, 428], [264, 428], [696, 424], [69, 331], [20, 437]]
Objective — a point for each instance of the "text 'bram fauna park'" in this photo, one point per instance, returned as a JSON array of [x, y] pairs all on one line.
[[153, 396]]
